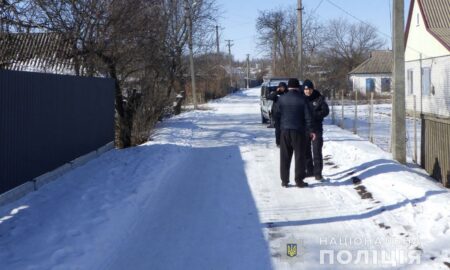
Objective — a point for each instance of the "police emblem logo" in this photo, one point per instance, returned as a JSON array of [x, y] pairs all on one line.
[[291, 250]]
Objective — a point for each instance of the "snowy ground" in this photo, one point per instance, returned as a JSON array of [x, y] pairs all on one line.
[[205, 194], [381, 127]]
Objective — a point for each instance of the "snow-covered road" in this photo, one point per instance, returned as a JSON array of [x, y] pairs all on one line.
[[205, 193]]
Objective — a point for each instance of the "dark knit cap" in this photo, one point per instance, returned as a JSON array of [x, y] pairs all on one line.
[[282, 84], [293, 83], [308, 83]]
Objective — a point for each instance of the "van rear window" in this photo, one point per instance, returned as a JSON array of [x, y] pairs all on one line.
[[276, 82]]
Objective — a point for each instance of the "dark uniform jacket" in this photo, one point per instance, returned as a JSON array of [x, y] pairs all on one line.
[[274, 95], [293, 112], [319, 109]]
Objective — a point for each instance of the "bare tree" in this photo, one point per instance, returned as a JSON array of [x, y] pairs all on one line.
[[277, 30], [117, 39], [330, 51], [7, 15], [203, 14], [138, 43], [269, 26], [348, 45]]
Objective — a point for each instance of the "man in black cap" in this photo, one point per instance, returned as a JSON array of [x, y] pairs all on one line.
[[319, 109], [294, 117], [281, 90]]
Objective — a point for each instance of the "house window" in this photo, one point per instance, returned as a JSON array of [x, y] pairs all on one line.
[[426, 81], [385, 84], [410, 81], [370, 85], [417, 19]]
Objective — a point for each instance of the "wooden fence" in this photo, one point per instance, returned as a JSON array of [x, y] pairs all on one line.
[[435, 154]]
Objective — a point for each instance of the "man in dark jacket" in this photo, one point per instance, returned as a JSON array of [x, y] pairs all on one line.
[[319, 108], [281, 90], [294, 117]]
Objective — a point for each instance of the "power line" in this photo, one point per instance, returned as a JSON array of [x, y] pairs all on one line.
[[317, 7], [362, 21], [314, 10], [356, 18]]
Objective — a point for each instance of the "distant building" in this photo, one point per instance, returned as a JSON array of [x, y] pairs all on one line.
[[427, 57], [374, 74]]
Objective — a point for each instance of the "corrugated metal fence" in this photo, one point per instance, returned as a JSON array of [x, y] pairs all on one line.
[[47, 120], [435, 157]]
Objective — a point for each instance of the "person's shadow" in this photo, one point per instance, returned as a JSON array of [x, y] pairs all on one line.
[[365, 215], [367, 170]]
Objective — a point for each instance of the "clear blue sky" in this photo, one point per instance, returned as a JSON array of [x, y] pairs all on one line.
[[238, 18]]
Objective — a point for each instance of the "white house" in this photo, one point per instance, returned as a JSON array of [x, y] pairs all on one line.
[[374, 74], [427, 57]]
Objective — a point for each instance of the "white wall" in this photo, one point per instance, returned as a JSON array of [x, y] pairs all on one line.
[[359, 82], [420, 41], [437, 103]]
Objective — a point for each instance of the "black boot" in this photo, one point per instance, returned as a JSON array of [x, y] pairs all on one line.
[[301, 184]]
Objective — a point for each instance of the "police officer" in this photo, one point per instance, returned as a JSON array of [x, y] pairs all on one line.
[[281, 90], [319, 109], [294, 117]]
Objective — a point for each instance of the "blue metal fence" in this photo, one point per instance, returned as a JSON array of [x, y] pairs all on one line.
[[47, 120]]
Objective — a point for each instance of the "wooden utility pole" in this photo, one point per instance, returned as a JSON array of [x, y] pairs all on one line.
[[248, 71], [229, 56], [217, 39], [300, 39], [191, 53], [355, 122], [274, 54], [398, 136]]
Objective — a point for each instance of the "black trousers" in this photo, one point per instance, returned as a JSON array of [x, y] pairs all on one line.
[[292, 142], [314, 159], [277, 133]]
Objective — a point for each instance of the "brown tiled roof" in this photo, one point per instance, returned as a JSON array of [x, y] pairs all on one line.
[[436, 15], [379, 62], [34, 51]]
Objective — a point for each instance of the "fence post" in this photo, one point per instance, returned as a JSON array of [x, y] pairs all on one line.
[[342, 111], [415, 130], [371, 118], [355, 121], [332, 108]]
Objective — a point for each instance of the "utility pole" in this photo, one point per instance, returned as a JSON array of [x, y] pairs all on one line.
[[300, 39], [248, 71], [229, 56], [217, 39], [398, 136], [191, 53], [274, 54]]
